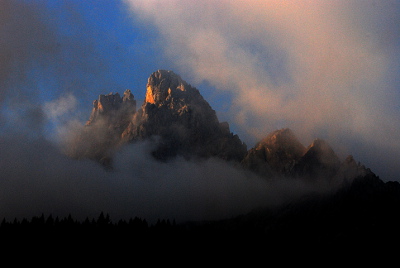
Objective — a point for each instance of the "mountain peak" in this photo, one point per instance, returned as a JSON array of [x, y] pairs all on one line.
[[320, 144], [186, 123], [173, 111], [322, 152], [277, 152], [112, 105], [163, 86], [280, 137]]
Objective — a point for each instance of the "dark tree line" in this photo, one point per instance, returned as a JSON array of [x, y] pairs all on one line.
[[94, 232], [103, 222], [365, 215]]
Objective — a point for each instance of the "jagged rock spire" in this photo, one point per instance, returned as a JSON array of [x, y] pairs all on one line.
[[173, 111], [112, 106], [164, 86], [186, 123]]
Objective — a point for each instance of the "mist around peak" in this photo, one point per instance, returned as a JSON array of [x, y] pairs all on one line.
[[156, 169], [209, 186], [39, 179]]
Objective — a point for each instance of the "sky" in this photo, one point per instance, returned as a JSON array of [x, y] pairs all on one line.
[[325, 69]]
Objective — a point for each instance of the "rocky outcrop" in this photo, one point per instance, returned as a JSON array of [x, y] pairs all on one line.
[[280, 154]]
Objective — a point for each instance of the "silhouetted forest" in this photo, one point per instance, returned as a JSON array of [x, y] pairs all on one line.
[[363, 215]]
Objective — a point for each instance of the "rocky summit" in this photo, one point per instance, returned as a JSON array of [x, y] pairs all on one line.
[[174, 115], [113, 108], [277, 153], [280, 154], [183, 120], [180, 122]]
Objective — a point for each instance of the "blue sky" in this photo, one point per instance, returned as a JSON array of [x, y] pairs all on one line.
[[326, 69]]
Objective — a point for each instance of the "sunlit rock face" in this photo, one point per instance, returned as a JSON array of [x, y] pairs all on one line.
[[166, 87], [183, 120]]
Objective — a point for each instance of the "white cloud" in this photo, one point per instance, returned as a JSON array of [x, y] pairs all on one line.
[[60, 107]]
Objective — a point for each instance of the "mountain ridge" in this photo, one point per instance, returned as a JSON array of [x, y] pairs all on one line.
[[185, 124], [361, 211]]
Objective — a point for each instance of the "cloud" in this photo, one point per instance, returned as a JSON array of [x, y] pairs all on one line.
[[37, 178], [59, 107], [318, 67]]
